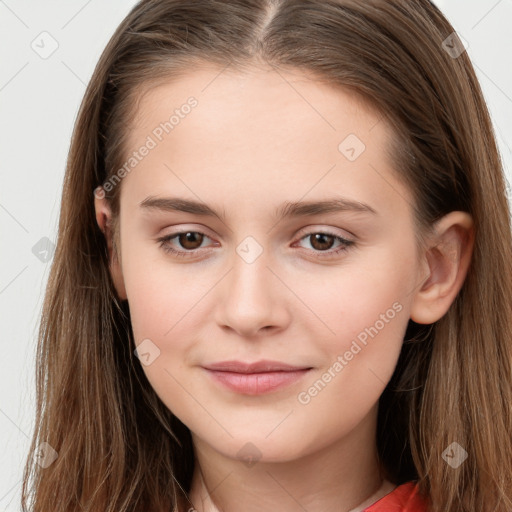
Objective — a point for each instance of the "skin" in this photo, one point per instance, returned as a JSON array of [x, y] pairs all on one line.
[[256, 139]]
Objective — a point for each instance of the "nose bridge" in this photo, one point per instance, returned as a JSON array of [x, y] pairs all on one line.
[[250, 279], [250, 294]]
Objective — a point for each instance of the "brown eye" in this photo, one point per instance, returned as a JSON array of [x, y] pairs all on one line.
[[322, 244], [185, 244], [190, 240], [321, 241]]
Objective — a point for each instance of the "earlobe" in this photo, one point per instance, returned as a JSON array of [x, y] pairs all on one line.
[[104, 219], [448, 257]]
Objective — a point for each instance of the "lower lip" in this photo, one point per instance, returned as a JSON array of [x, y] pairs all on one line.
[[257, 383]]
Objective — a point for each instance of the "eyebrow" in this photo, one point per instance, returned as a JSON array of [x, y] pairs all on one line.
[[287, 210]]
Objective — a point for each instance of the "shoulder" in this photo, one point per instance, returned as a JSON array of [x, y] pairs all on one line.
[[404, 498]]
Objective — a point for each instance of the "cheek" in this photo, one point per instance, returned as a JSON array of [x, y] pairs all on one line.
[[363, 301], [167, 310], [160, 294], [364, 314], [360, 357], [163, 304]]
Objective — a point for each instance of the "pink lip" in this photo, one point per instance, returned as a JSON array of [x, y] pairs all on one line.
[[265, 365], [255, 378]]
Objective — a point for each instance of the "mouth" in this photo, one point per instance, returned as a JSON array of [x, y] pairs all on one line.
[[255, 378]]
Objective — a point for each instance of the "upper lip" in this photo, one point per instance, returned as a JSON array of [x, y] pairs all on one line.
[[262, 366]]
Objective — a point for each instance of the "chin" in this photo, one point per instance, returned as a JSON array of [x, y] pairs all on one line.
[[250, 449]]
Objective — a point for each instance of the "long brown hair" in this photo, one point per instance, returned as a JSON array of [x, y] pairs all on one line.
[[118, 447]]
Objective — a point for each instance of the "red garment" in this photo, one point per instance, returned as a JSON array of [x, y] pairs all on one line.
[[404, 498]]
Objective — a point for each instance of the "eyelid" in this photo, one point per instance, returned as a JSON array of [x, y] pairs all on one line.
[[178, 229], [316, 228]]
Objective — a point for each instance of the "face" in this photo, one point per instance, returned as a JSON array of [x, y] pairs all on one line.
[[326, 289]]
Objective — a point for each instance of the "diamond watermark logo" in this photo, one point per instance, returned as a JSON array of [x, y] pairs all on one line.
[[351, 147], [249, 249], [45, 45], [455, 455], [147, 352], [454, 45], [45, 455], [44, 249], [250, 454]]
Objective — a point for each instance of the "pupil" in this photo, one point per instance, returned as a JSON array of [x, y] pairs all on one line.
[[321, 238], [189, 237]]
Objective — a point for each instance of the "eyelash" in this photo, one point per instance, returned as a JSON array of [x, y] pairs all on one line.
[[166, 247]]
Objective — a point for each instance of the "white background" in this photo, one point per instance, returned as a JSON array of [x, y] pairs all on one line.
[[39, 99]]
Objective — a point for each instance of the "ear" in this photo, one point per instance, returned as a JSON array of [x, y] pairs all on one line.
[[447, 257], [104, 220]]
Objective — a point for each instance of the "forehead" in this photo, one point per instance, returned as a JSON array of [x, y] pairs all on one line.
[[252, 96], [259, 130]]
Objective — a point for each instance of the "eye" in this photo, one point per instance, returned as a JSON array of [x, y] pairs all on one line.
[[322, 241], [189, 240]]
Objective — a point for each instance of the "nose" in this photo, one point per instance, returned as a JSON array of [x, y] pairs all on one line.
[[251, 299]]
